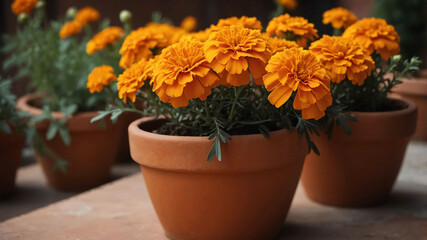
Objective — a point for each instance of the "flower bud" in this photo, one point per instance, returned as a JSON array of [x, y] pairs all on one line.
[[125, 16], [22, 18], [71, 12], [40, 4], [396, 58]]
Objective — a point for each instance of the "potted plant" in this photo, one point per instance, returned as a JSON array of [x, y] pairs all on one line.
[[222, 152], [360, 169], [54, 55]]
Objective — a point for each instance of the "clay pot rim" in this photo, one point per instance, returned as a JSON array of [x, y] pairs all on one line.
[[411, 106]]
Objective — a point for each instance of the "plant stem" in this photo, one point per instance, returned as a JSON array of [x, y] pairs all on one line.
[[233, 108]]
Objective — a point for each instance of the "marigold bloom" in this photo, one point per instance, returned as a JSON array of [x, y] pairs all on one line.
[[170, 34], [138, 45], [342, 57], [189, 23], [282, 25], [298, 70], [183, 73], [133, 78], [23, 6], [246, 22], [339, 17], [375, 34], [288, 4], [69, 29], [107, 36], [279, 44], [99, 78], [86, 15], [237, 51], [200, 35]]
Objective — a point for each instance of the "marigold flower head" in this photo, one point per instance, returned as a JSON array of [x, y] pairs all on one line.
[[200, 35], [170, 34], [298, 70], [279, 44], [107, 36], [236, 51], [138, 44], [189, 23], [299, 27], [69, 29], [375, 34], [288, 4], [86, 15], [339, 17], [23, 6], [183, 73], [133, 78], [99, 78], [246, 22], [342, 57]]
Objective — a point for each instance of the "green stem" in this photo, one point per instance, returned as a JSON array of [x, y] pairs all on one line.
[[233, 108]]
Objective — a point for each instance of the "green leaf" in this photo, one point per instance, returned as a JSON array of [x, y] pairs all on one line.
[[116, 114], [4, 127], [60, 164], [215, 150], [51, 132], [63, 132], [101, 115]]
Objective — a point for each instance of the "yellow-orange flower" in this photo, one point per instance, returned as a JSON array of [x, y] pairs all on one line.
[[200, 35], [138, 45], [288, 4], [339, 17], [279, 44], [236, 51], [23, 6], [133, 78], [107, 36], [170, 34], [99, 78], [189, 23], [375, 34], [246, 22], [299, 27], [342, 57], [298, 70], [182, 73], [86, 15], [69, 29]]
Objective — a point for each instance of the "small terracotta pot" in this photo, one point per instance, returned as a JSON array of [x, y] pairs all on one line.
[[90, 155], [360, 170], [11, 146], [415, 89], [245, 196]]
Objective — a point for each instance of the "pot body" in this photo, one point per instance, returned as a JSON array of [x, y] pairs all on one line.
[[90, 155], [360, 170], [245, 196], [11, 146]]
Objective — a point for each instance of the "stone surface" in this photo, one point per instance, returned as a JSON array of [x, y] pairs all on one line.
[[122, 210]]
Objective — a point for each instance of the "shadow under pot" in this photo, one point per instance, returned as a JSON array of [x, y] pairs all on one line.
[[360, 169], [245, 196], [90, 155]]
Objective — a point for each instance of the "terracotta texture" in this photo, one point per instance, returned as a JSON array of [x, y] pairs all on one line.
[[91, 153], [360, 170], [415, 89], [245, 196], [10, 156]]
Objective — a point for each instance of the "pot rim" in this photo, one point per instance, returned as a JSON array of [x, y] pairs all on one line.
[[411, 107]]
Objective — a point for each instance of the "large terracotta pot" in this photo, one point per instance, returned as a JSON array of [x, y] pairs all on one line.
[[10, 156], [91, 153], [245, 196], [360, 169], [415, 89]]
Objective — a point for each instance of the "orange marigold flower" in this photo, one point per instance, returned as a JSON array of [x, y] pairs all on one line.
[[200, 35], [170, 34], [99, 78], [23, 6], [70, 28], [246, 22], [183, 73], [298, 70], [133, 78], [375, 34], [237, 50], [342, 57], [107, 36], [288, 4], [339, 17], [299, 27], [279, 44], [189, 23], [138, 45], [86, 15]]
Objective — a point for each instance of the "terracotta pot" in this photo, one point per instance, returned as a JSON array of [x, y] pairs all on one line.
[[245, 196], [90, 155], [360, 170], [415, 89], [123, 153], [10, 156]]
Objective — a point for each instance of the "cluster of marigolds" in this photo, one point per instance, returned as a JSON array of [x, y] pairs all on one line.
[[181, 65]]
